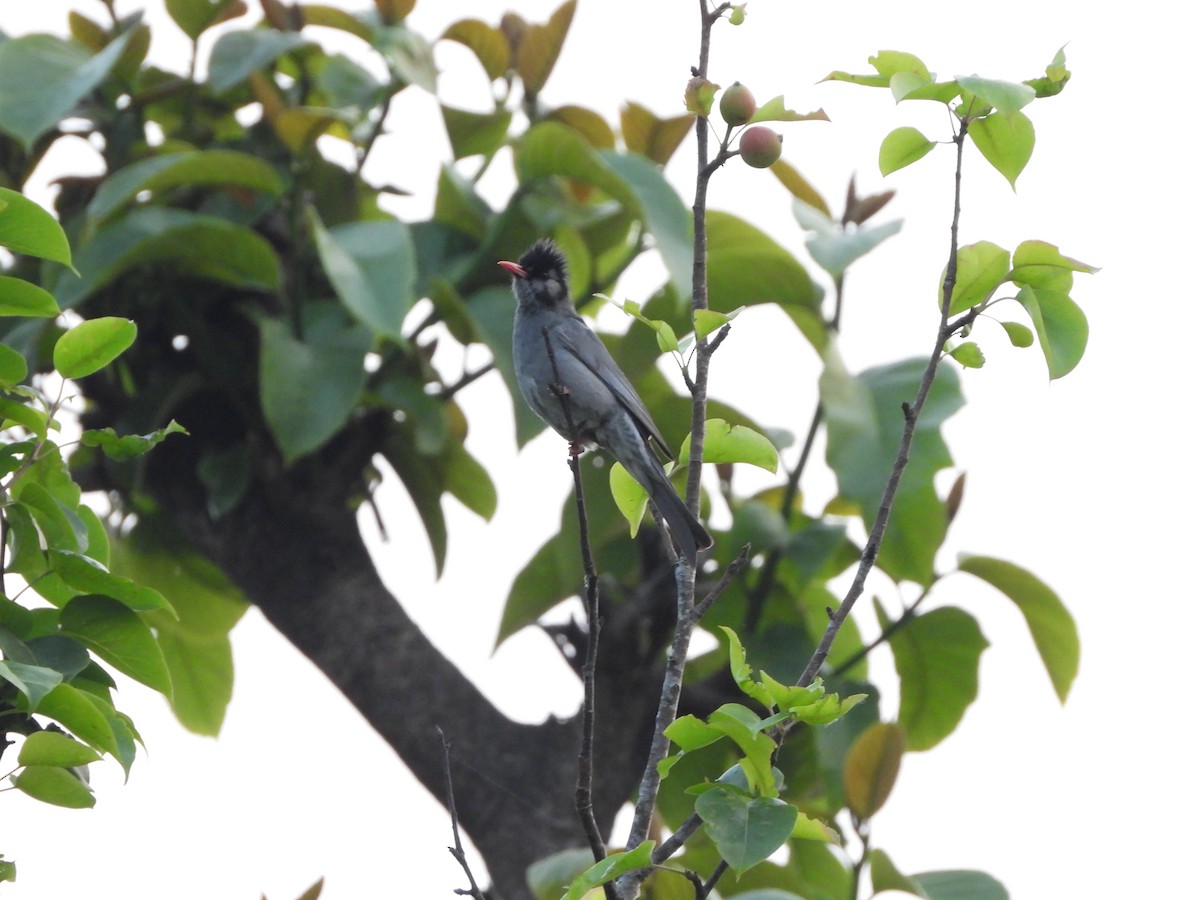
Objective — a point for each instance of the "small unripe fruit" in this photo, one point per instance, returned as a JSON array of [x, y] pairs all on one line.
[[737, 105], [760, 146]]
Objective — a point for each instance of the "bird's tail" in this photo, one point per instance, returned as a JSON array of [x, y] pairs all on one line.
[[690, 536]]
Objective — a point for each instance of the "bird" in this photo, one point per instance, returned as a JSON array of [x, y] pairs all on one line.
[[569, 379]]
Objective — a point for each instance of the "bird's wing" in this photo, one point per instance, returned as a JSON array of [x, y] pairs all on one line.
[[585, 346]]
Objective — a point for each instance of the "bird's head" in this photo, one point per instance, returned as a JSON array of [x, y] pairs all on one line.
[[540, 277]]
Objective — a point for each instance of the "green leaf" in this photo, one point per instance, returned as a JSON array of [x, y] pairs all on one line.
[[195, 645], [745, 829], [539, 48], [654, 138], [864, 422], [92, 344], [1061, 327], [707, 321], [373, 269], [310, 387], [629, 496], [469, 483], [665, 216], [1039, 264], [60, 526], [193, 168], [51, 784], [890, 62], [612, 866], [960, 884], [35, 682], [89, 577], [75, 710], [13, 367], [886, 877], [236, 54], [195, 16], [872, 765], [725, 443], [47, 748], [475, 134], [834, 250], [117, 635], [982, 267], [937, 659], [551, 148], [1050, 623], [187, 242], [1018, 334], [968, 355], [487, 42], [20, 298], [128, 446], [775, 110], [737, 247], [549, 877], [901, 148], [1005, 141], [1006, 97], [44, 77], [27, 228]]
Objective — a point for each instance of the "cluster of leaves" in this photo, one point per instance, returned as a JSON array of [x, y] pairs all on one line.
[[63, 612], [285, 313]]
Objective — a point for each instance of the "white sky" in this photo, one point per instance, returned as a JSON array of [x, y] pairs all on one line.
[[1089, 482]]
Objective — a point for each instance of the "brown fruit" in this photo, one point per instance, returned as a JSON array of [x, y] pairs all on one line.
[[760, 146], [737, 104]]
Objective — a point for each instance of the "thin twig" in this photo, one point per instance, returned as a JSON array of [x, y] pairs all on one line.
[[911, 413], [583, 781], [457, 850], [685, 571]]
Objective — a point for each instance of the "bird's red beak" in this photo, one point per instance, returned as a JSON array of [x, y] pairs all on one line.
[[513, 268]]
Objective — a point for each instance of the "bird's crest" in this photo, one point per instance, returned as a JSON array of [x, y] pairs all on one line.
[[543, 260]]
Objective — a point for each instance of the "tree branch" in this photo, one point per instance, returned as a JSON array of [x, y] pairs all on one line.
[[912, 412]]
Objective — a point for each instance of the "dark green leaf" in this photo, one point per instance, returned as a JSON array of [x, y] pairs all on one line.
[[937, 659], [35, 682], [473, 133], [372, 266], [865, 421], [187, 242], [159, 174], [960, 884], [117, 635], [13, 367], [238, 53], [745, 829], [666, 217], [1050, 623], [88, 577], [44, 77], [310, 387]]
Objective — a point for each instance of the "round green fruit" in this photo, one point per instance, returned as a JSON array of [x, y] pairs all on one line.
[[737, 105]]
